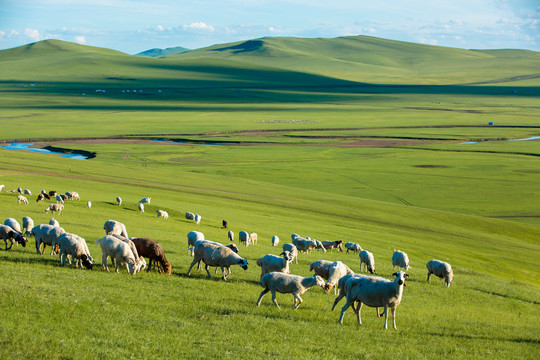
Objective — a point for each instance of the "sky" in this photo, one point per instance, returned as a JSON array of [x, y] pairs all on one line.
[[132, 26]]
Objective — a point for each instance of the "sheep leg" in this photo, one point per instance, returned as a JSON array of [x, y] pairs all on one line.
[[224, 272], [38, 246], [386, 316], [196, 260], [394, 317], [359, 312], [266, 290], [104, 260], [343, 309], [297, 297], [206, 267], [428, 275], [338, 299], [149, 265], [378, 315], [274, 298]]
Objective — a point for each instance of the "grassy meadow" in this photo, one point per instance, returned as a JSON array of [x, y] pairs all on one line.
[[275, 150]]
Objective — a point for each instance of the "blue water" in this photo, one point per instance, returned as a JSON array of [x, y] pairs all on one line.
[[526, 139], [26, 146]]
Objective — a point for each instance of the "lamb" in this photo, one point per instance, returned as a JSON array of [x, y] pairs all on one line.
[[367, 259], [22, 199], [215, 255], [119, 250], [287, 284], [292, 249], [354, 247], [275, 240], [190, 216], [28, 224], [141, 207], [330, 245], [375, 292], [400, 259], [7, 233], [243, 237], [306, 244], [46, 235], [198, 219], [162, 213], [59, 199], [230, 235], [440, 269], [113, 227], [270, 263], [145, 200], [59, 208], [337, 271], [71, 244], [118, 200], [154, 252], [54, 222]]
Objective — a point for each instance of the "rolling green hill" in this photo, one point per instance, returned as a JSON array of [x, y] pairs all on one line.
[[156, 52]]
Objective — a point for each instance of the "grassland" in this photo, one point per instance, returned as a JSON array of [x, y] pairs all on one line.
[[316, 154]]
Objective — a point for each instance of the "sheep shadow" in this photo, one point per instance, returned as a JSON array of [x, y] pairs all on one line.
[[40, 259], [489, 338]]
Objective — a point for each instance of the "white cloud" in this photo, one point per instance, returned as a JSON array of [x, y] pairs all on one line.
[[33, 34], [160, 28], [199, 26], [80, 39], [274, 30]]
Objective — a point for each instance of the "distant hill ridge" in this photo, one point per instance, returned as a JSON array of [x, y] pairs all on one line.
[[353, 58], [156, 52]]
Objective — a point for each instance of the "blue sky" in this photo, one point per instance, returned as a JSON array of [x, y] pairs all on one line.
[[132, 26]]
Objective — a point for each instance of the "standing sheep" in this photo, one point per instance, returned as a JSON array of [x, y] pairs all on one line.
[[198, 219], [54, 222], [375, 293], [400, 259], [118, 250], [14, 224], [331, 245], [287, 284], [344, 285], [253, 238], [243, 237], [307, 244], [224, 224], [141, 207], [89, 204], [440, 269], [2, 187], [118, 200], [40, 197], [28, 224], [59, 208], [337, 271], [216, 255], [71, 244], [354, 247], [113, 227], [367, 259], [59, 199], [190, 216], [162, 213], [27, 192], [7, 233], [145, 200], [321, 268], [46, 235], [193, 236], [270, 263], [230, 235], [154, 252], [22, 199], [275, 240], [292, 249]]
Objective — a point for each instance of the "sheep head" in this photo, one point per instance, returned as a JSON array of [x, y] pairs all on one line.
[[319, 281], [243, 264], [86, 262], [20, 239], [327, 287], [400, 277]]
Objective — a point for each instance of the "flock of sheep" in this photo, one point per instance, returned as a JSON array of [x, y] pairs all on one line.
[[359, 289]]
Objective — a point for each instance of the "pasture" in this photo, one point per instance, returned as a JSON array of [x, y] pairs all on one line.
[[382, 165]]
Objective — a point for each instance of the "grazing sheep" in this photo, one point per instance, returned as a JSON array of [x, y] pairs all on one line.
[[89, 204], [231, 246], [154, 252], [71, 244], [118, 250], [28, 224], [141, 207], [190, 216], [59, 208], [59, 199], [198, 219], [337, 271], [330, 245], [292, 249], [440, 269], [287, 284], [54, 222], [138, 263], [354, 247], [47, 235], [22, 199], [216, 255], [52, 193], [367, 259], [145, 200], [321, 268], [20, 190], [162, 213], [118, 200], [230, 235], [375, 292], [2, 187], [270, 263], [307, 244], [72, 195], [224, 223], [113, 227], [193, 236], [253, 238], [27, 192], [400, 259], [14, 224], [40, 197], [7, 233], [47, 196], [275, 240], [243, 237]]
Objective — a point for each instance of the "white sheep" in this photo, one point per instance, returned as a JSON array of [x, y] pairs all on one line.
[[336, 271], [331, 245], [145, 200], [28, 224], [140, 263], [190, 216], [368, 261], [400, 259], [113, 227], [440, 269], [22, 199], [162, 213], [344, 284], [74, 196], [27, 192], [14, 224], [253, 239], [46, 235], [321, 268], [2, 187], [287, 284], [275, 240], [292, 249], [141, 207], [375, 292], [7, 233], [118, 200], [54, 222], [231, 246], [192, 237], [59, 208], [216, 255], [307, 244], [230, 235], [198, 219], [89, 204], [59, 199], [270, 263], [354, 247], [118, 250], [243, 237], [71, 244]]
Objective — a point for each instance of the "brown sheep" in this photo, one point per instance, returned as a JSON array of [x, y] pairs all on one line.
[[153, 251]]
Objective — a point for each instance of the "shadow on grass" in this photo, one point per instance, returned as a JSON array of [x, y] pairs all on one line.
[[39, 259], [488, 338]]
